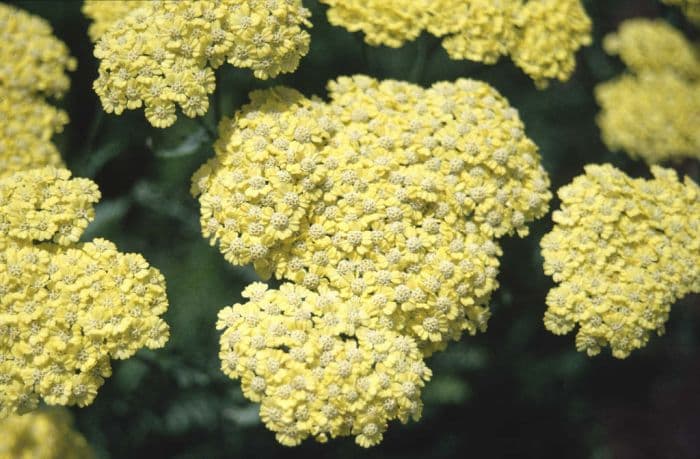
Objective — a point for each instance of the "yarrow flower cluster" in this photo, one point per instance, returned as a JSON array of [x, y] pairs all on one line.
[[623, 251], [40, 67], [45, 205], [653, 112], [380, 210], [104, 13], [27, 74], [646, 45], [163, 55], [289, 349], [44, 434], [27, 124], [66, 308], [691, 8], [541, 36]]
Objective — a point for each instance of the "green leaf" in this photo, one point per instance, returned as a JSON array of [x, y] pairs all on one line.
[[107, 213], [447, 390], [95, 161], [190, 145]]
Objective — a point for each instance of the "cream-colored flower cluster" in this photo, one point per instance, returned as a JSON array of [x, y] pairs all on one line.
[[45, 205], [541, 36], [390, 23], [646, 45], [691, 8], [381, 211], [44, 434], [31, 58], [27, 74], [319, 364], [548, 34], [163, 55], [104, 13], [653, 112], [623, 251], [66, 308], [27, 124]]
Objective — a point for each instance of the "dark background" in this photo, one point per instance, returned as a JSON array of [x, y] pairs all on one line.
[[515, 391]]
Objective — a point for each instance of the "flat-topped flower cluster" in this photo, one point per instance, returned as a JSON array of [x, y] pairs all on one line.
[[541, 36], [104, 13], [691, 8], [380, 210], [162, 54], [44, 434], [66, 308], [623, 251], [27, 75], [653, 111], [40, 67], [27, 125]]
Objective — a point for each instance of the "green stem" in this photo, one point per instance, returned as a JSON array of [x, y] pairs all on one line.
[[418, 70], [366, 58], [216, 105], [689, 167], [150, 196], [425, 49], [364, 52], [94, 130], [211, 133]]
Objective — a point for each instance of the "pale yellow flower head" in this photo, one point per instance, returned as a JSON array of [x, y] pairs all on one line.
[[45, 434], [549, 32], [42, 205], [66, 308], [691, 8], [389, 23], [478, 30], [104, 13], [541, 36], [652, 113], [163, 56], [290, 349], [27, 124], [381, 209], [33, 65], [622, 251], [653, 116], [646, 45], [31, 58]]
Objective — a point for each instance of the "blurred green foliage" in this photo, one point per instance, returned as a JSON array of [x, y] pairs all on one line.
[[515, 391]]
